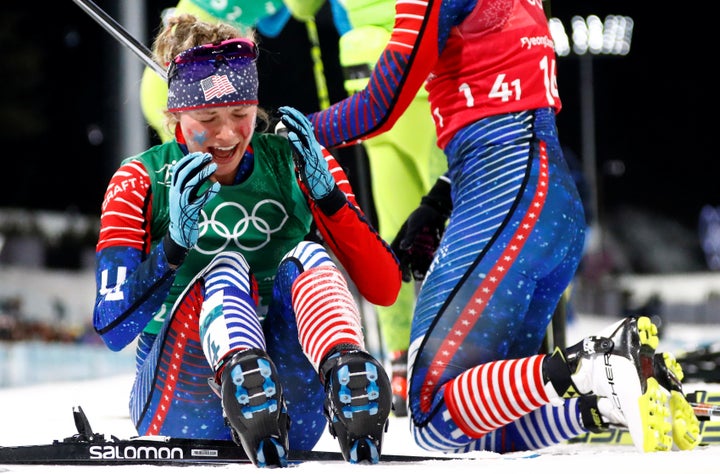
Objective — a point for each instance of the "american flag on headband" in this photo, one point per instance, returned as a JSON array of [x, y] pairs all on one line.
[[216, 86]]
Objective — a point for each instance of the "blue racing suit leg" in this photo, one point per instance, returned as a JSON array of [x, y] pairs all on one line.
[[501, 267]]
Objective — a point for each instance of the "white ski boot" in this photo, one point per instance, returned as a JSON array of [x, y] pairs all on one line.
[[618, 367]]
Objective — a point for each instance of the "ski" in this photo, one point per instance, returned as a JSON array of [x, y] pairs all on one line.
[[89, 448], [709, 434], [706, 406], [159, 451]]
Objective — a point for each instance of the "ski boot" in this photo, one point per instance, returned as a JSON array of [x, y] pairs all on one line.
[[617, 367], [358, 403], [685, 424], [254, 407], [398, 369], [591, 415]]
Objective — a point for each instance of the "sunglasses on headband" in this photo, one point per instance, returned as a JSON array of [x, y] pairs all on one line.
[[202, 61]]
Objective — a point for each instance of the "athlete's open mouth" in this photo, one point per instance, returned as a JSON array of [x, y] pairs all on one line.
[[222, 153]]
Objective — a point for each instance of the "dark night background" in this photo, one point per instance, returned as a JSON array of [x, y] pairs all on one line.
[[651, 106]]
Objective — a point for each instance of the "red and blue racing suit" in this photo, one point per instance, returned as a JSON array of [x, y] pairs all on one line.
[[516, 233]]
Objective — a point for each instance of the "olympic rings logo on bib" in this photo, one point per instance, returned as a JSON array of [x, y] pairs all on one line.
[[244, 221]]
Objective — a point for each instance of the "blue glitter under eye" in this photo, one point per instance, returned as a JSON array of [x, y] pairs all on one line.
[[200, 138]]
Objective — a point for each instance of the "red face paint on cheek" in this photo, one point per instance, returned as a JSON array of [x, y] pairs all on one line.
[[246, 130]]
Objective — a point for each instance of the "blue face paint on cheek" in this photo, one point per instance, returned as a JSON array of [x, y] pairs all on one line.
[[199, 137]]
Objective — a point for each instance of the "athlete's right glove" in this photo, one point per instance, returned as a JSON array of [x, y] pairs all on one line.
[[310, 161], [419, 236], [188, 194]]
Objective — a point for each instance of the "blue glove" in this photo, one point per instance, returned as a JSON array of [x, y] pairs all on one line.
[[307, 154], [186, 197]]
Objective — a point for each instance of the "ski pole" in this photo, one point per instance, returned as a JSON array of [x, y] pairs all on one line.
[[706, 410], [318, 68], [121, 34]]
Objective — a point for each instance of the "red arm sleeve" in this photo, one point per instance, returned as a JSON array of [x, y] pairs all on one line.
[[366, 257], [125, 217]]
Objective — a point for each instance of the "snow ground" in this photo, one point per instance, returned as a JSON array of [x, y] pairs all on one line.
[[39, 414]]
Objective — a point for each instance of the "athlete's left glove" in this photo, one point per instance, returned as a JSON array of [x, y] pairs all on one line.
[[310, 162], [188, 195]]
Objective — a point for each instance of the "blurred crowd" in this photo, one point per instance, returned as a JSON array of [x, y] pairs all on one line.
[[15, 325]]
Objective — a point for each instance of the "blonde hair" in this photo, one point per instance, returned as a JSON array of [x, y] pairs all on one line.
[[186, 31]]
